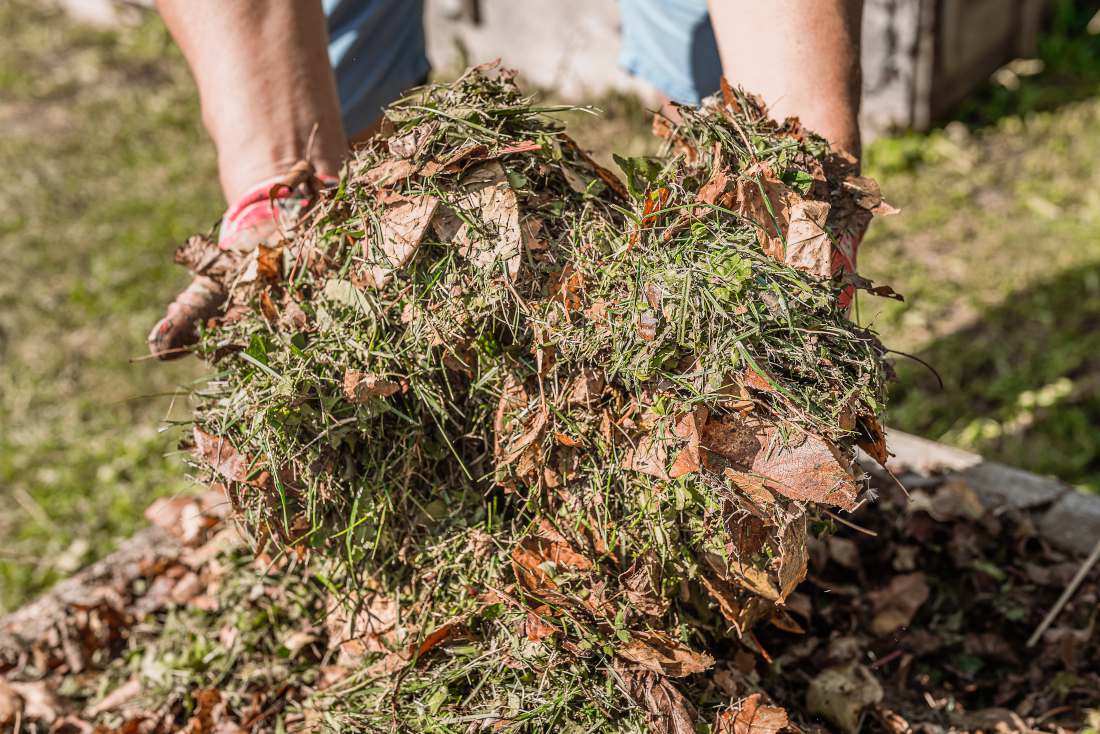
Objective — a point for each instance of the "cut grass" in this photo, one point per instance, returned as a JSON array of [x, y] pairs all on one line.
[[107, 169]]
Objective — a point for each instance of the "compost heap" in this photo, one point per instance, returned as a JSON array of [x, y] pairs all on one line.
[[566, 435]]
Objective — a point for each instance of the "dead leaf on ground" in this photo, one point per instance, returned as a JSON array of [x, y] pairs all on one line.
[[649, 456], [954, 500], [360, 386], [202, 722], [536, 627], [667, 711], [532, 552], [642, 584], [657, 652], [369, 626], [748, 716], [841, 693], [896, 604]]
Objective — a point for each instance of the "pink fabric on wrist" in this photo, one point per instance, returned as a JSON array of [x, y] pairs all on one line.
[[264, 206]]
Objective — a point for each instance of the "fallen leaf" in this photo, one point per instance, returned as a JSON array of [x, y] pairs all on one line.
[[841, 693], [648, 456], [808, 245], [806, 468], [202, 722], [748, 716], [535, 627], [587, 387], [713, 188], [895, 605], [953, 500], [499, 237], [389, 172], [657, 652], [412, 143], [402, 228], [765, 201], [436, 637], [360, 387], [642, 584], [793, 556], [228, 463], [269, 262], [667, 711]]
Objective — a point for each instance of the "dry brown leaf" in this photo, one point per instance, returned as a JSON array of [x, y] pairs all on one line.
[[649, 456], [657, 652], [536, 627], [807, 469], [437, 637], [688, 427], [499, 238], [738, 606], [667, 711], [412, 143], [808, 245], [602, 173], [955, 499], [587, 388], [202, 722], [766, 201], [841, 693], [896, 604], [642, 584], [873, 439], [402, 227], [228, 463], [565, 286], [793, 556], [369, 626], [359, 387], [748, 716], [181, 517], [269, 262], [714, 188], [389, 172]]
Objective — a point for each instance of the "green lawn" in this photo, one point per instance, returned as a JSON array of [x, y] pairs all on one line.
[[107, 168]]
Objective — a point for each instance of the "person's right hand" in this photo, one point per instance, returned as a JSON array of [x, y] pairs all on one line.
[[265, 213]]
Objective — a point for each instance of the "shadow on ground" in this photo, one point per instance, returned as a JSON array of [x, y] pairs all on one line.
[[1021, 384]]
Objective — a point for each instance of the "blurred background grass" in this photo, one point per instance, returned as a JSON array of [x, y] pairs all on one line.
[[106, 168]]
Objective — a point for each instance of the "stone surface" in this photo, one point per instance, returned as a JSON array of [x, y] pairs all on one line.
[[1073, 523]]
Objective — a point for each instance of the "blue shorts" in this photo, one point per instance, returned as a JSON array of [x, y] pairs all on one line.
[[378, 51]]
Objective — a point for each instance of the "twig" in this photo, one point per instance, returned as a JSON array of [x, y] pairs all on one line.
[[1067, 594], [852, 525]]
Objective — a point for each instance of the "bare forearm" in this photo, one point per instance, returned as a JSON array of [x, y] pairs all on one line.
[[264, 80], [802, 56]]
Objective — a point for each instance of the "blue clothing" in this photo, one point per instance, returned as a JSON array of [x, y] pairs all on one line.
[[670, 44], [377, 50]]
